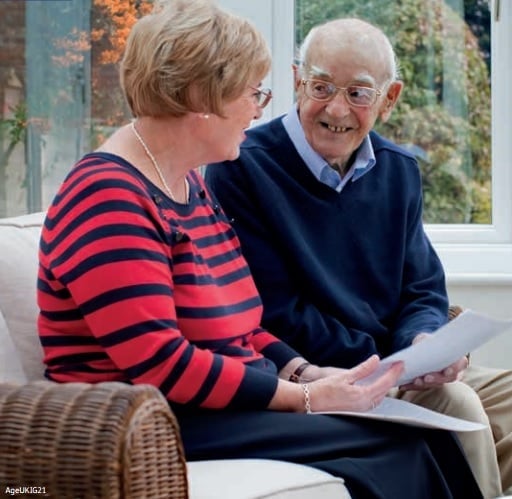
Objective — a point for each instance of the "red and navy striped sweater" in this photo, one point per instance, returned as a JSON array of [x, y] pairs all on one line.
[[135, 287]]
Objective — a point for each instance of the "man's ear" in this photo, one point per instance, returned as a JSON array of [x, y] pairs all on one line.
[[392, 96], [296, 77]]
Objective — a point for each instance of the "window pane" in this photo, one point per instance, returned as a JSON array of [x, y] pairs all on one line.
[[444, 113], [58, 88]]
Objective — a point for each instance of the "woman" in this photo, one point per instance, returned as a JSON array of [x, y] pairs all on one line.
[[142, 279]]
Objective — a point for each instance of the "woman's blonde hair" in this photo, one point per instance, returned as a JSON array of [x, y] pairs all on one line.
[[190, 56]]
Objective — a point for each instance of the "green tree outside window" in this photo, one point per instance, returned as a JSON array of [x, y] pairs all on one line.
[[444, 113]]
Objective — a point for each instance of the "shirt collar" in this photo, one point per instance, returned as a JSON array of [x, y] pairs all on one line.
[[292, 125]]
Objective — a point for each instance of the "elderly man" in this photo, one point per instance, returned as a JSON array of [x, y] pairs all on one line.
[[329, 215]]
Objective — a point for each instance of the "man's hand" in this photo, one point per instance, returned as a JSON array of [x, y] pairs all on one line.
[[449, 374]]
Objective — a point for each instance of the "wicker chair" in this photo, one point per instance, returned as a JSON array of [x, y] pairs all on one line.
[[109, 440]]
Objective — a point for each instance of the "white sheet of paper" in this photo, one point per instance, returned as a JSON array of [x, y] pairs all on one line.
[[400, 411], [443, 347]]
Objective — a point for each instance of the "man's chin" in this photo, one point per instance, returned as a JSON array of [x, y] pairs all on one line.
[[333, 156], [234, 154], [334, 148]]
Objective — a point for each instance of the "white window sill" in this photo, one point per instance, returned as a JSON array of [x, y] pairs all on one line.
[[476, 264]]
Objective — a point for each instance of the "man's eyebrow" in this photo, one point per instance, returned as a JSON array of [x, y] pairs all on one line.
[[363, 78], [322, 73]]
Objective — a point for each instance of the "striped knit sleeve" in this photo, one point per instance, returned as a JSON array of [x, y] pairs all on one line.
[[273, 348], [105, 269]]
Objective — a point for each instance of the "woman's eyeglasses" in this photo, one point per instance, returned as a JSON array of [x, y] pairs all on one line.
[[262, 96]]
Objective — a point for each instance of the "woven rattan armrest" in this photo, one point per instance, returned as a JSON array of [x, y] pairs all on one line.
[[76, 440]]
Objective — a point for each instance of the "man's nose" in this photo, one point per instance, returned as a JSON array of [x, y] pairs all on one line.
[[338, 106]]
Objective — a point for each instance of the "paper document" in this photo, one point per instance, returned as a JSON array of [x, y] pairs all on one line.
[[443, 347], [400, 411]]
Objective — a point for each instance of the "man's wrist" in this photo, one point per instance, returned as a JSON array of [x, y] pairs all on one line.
[[296, 376], [311, 373]]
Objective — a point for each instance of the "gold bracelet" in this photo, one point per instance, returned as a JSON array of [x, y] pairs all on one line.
[[295, 376], [307, 399]]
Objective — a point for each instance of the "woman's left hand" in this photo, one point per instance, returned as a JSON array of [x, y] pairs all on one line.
[[312, 373]]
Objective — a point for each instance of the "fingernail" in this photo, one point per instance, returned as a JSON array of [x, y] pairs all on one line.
[[418, 382], [429, 378], [448, 371]]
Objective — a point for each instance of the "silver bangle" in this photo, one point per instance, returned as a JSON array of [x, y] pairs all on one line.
[[307, 399]]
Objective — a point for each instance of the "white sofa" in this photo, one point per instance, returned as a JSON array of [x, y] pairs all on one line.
[[21, 363]]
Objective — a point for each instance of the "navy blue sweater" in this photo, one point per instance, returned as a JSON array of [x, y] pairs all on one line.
[[341, 275]]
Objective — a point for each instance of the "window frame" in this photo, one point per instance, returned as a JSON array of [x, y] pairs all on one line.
[[471, 253]]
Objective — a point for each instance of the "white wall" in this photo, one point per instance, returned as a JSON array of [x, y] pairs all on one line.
[[274, 19], [495, 300]]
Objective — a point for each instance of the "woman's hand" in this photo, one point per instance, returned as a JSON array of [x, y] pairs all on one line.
[[312, 372], [339, 391]]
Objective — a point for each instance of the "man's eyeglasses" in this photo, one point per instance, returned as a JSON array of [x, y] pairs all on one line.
[[262, 96], [324, 91]]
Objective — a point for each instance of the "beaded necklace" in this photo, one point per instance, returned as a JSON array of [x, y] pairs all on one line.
[[157, 168]]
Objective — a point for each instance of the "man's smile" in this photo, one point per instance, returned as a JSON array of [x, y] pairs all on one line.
[[335, 129]]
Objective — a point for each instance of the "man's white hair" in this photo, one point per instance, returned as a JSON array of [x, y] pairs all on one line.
[[348, 31]]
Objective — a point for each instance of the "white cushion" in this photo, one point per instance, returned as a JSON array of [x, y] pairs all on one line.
[[10, 364], [19, 242], [261, 479]]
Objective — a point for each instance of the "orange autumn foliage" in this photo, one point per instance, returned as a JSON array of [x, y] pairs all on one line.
[[114, 20]]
